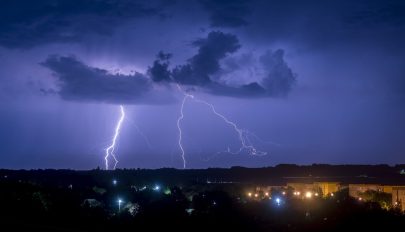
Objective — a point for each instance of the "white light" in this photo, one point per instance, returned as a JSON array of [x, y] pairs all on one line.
[[308, 194], [267, 194], [283, 193], [278, 200], [114, 182], [256, 195], [316, 194], [332, 194], [157, 188], [119, 204], [250, 194]]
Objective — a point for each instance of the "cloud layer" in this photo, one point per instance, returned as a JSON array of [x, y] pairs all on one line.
[[80, 82]]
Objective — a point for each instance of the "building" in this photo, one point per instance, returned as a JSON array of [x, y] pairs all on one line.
[[387, 189], [268, 188], [266, 191], [326, 188], [301, 187], [322, 188], [356, 189], [398, 197], [260, 192]]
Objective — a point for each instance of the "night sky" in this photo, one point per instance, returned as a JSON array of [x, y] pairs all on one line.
[[307, 81]]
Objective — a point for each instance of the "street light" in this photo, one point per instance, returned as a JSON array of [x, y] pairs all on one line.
[[119, 204]]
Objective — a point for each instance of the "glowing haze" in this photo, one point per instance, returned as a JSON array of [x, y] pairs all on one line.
[[262, 83]]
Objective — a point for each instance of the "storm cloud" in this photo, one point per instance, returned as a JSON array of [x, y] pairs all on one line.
[[79, 82], [211, 50], [278, 79]]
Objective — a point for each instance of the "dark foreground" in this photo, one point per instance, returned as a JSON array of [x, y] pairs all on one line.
[[118, 201]]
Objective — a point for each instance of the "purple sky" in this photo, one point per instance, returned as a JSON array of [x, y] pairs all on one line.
[[316, 82]]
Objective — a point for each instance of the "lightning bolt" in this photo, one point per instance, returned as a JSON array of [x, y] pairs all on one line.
[[243, 135], [109, 151], [186, 95]]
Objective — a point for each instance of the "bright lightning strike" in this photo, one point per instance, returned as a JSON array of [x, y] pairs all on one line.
[[109, 151], [186, 95], [242, 134]]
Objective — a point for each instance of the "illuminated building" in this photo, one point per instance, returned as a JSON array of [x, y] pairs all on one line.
[[300, 188], [398, 197], [356, 189], [326, 188]]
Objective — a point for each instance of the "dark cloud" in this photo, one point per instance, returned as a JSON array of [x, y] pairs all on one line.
[[225, 13], [277, 82], [25, 23], [79, 82], [211, 50], [160, 68], [280, 78]]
